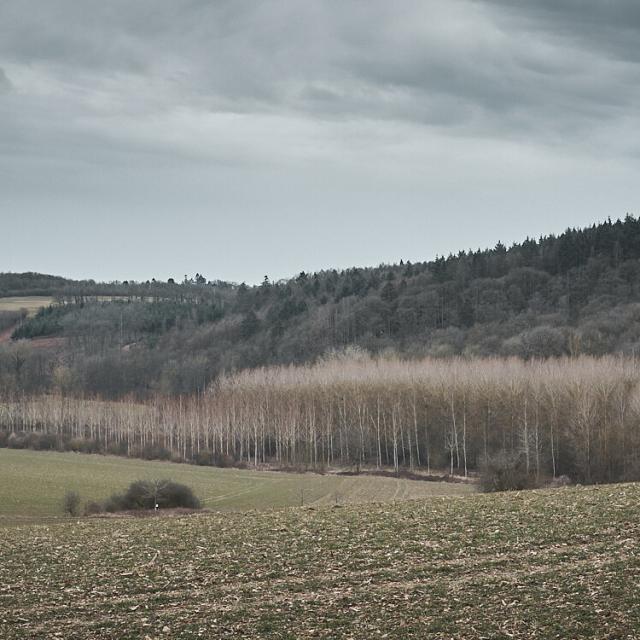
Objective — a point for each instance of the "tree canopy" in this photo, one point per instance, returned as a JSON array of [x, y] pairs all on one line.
[[576, 293]]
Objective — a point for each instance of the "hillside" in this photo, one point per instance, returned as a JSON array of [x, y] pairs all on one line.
[[547, 564], [577, 293]]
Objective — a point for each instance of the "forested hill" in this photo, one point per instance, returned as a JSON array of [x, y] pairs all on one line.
[[574, 293], [31, 284]]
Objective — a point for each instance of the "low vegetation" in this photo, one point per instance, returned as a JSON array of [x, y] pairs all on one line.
[[8, 320], [40, 480], [504, 472], [536, 564], [71, 503], [151, 494]]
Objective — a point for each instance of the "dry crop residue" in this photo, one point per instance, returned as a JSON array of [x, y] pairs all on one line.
[[544, 564]]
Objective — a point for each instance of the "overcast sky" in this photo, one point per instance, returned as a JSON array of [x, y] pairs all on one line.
[[236, 138]]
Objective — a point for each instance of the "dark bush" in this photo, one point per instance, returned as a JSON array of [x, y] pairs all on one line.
[[93, 507], [117, 448], [141, 495], [17, 441], [560, 481], [71, 503], [155, 452], [146, 494], [114, 503], [174, 494], [505, 472], [204, 458], [32, 440], [83, 445], [223, 460], [42, 441]]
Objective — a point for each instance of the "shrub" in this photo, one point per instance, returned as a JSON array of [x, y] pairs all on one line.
[[93, 507], [83, 445], [154, 452], [114, 503], [117, 448], [174, 494], [505, 472], [141, 495], [145, 494], [71, 503], [17, 441], [204, 458], [223, 460], [41, 441], [560, 481]]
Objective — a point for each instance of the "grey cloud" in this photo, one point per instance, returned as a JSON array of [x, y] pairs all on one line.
[[502, 71], [611, 27], [488, 66], [410, 100], [5, 83]]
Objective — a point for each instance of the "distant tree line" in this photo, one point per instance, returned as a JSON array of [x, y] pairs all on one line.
[[573, 416], [577, 293]]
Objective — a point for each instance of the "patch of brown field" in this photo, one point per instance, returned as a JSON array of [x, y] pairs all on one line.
[[5, 336], [150, 513]]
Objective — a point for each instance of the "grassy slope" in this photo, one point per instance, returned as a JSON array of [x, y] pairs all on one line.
[[37, 482], [31, 303], [547, 564]]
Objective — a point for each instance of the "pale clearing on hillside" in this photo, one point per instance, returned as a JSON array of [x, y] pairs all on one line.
[[30, 303]]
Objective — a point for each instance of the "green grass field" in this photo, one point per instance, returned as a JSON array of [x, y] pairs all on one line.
[[542, 564], [33, 483], [30, 303]]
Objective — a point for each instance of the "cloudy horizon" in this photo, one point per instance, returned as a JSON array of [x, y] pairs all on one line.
[[238, 139]]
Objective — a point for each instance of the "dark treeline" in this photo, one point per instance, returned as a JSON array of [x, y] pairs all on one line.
[[38, 284], [30, 284], [572, 294]]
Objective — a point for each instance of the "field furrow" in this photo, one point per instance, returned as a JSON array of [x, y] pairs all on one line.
[[546, 564]]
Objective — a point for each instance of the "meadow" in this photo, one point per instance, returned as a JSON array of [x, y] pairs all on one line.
[[541, 564], [30, 303], [33, 484]]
